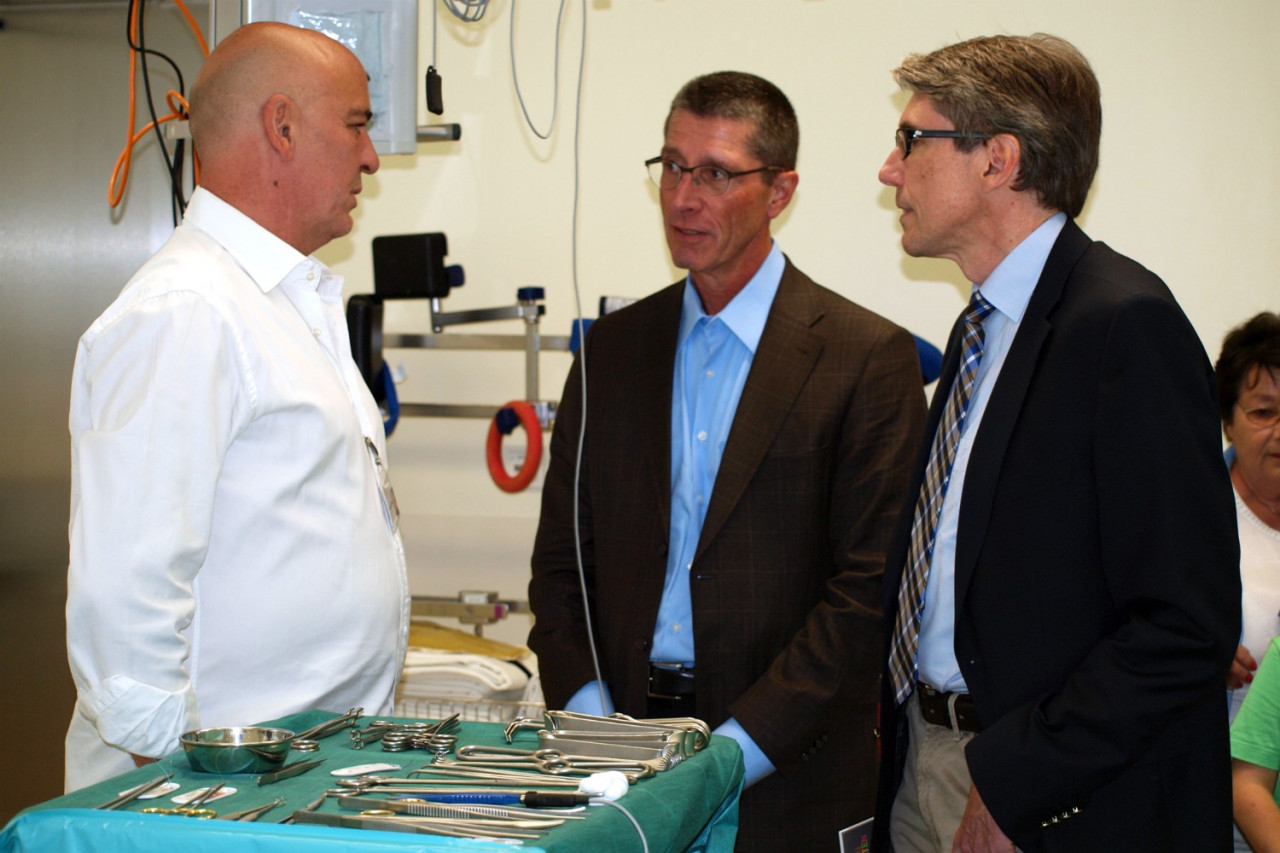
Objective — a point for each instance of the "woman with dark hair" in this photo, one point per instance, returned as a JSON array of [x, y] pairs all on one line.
[[1248, 376]]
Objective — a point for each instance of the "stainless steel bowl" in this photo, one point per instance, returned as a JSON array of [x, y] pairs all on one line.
[[237, 749]]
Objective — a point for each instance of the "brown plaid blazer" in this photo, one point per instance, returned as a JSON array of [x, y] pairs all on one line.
[[786, 581]]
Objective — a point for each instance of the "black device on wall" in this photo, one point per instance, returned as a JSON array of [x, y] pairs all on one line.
[[405, 266], [411, 266]]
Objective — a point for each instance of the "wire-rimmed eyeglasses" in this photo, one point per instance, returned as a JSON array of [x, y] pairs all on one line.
[[906, 136], [1263, 417], [666, 175]]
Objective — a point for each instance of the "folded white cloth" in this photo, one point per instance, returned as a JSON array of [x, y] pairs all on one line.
[[430, 673]]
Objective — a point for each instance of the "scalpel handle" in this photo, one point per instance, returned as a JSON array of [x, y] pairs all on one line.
[[533, 799]]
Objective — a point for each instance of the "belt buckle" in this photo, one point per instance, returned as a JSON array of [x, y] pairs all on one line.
[[671, 670], [942, 708]]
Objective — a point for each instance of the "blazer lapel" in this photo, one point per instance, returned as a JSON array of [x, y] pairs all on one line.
[[782, 363], [652, 393], [1006, 402]]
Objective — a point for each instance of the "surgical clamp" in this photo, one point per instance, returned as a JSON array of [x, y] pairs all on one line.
[[557, 762]]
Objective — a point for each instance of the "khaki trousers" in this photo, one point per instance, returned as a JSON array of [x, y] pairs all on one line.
[[935, 786]]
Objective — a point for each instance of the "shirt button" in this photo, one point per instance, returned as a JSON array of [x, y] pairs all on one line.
[[710, 373], [675, 627], [315, 332], [702, 435]]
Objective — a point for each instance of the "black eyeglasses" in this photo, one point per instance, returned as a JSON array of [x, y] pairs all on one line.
[[905, 137], [666, 175]]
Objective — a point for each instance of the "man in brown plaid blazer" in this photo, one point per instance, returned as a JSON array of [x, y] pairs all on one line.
[[779, 564]]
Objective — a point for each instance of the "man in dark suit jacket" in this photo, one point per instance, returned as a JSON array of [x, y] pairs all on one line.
[[779, 563], [1082, 596]]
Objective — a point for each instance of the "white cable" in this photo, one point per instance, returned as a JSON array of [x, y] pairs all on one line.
[[577, 300], [596, 801], [555, 93], [582, 366]]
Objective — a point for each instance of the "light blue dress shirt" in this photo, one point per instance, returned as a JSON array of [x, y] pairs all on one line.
[[713, 357], [1009, 289]]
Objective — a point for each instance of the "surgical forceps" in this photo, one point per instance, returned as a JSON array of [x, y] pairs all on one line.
[[192, 808], [135, 792], [452, 776], [253, 813], [389, 822], [309, 807]]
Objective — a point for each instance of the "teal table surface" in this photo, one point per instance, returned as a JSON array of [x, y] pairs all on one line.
[[692, 806]]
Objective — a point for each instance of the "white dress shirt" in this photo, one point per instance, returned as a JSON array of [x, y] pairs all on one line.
[[233, 556], [1260, 579]]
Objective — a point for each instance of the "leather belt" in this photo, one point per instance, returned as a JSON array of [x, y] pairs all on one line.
[[953, 710], [670, 681]]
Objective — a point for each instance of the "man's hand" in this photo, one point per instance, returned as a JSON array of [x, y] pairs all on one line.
[[978, 832]]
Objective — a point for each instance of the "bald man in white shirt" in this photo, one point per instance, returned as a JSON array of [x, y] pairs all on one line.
[[235, 553]]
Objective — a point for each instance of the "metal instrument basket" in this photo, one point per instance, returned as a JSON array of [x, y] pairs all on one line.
[[470, 710]]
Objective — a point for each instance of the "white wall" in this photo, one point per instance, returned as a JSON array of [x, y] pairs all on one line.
[[1187, 186]]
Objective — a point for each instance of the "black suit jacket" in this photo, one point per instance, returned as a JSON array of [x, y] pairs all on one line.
[[1097, 583], [786, 581]]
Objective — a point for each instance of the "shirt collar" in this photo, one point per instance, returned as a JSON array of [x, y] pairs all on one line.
[[746, 313], [266, 258], [1010, 284]]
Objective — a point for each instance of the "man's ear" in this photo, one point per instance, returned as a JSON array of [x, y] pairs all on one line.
[[1004, 159], [783, 188], [277, 118]]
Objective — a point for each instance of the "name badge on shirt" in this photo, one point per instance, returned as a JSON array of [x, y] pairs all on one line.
[[390, 509]]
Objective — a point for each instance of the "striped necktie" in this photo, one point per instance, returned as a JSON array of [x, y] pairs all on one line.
[[924, 525]]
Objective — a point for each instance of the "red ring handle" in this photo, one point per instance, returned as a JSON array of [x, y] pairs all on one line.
[[532, 457]]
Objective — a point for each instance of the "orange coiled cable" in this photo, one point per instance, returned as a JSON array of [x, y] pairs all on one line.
[[177, 106]]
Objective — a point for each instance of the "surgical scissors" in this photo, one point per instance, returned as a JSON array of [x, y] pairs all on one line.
[[308, 740]]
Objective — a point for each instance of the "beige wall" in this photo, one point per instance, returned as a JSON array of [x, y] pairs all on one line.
[[1187, 186]]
